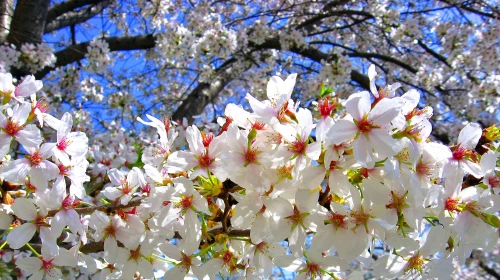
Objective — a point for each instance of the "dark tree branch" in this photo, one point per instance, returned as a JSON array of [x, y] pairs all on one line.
[[384, 57], [68, 6], [433, 53], [320, 17], [315, 55], [77, 52], [204, 93], [75, 17]]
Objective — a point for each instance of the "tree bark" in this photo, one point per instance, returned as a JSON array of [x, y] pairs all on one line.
[[204, 93], [6, 12], [28, 22], [75, 17]]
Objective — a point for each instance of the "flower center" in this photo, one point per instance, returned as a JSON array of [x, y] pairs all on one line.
[[297, 147], [424, 169], [451, 204], [494, 181], [365, 126], [35, 159], [415, 263], [69, 202], [297, 217], [47, 265], [186, 261], [110, 231], [63, 170], [338, 221], [186, 202], [261, 247], [360, 218], [227, 257], [459, 153], [325, 108], [12, 128], [312, 270], [205, 160], [398, 203], [63, 144], [135, 254], [250, 156]]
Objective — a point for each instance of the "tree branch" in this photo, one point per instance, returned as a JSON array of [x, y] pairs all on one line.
[[68, 6], [75, 17], [204, 93], [77, 52], [103, 208], [433, 53]]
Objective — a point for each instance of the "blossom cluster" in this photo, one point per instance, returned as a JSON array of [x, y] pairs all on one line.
[[98, 56], [314, 192], [30, 56]]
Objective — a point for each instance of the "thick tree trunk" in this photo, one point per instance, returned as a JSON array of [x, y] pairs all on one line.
[[28, 22], [6, 12]]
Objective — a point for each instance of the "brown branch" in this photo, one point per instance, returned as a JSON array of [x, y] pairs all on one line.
[[77, 52], [384, 57], [68, 6], [103, 208], [433, 53], [75, 17], [204, 93]]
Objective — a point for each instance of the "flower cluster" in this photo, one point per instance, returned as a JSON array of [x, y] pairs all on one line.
[[312, 192], [30, 56], [98, 56]]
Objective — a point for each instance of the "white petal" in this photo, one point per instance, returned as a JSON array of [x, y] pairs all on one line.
[[358, 105], [31, 264], [5, 220], [371, 75], [171, 251], [469, 135], [342, 131], [385, 111], [21, 235], [24, 209], [363, 151]]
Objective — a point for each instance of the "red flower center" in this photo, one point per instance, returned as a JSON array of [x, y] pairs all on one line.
[[313, 269], [35, 159], [494, 181], [63, 170], [338, 220], [459, 153], [298, 147], [47, 265], [186, 202], [205, 160], [451, 204], [12, 128], [250, 156], [365, 126], [63, 144]]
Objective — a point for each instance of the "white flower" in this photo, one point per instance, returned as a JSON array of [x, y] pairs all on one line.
[[368, 128]]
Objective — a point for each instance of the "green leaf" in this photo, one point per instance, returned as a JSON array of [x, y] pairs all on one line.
[[325, 91], [488, 218], [251, 136]]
